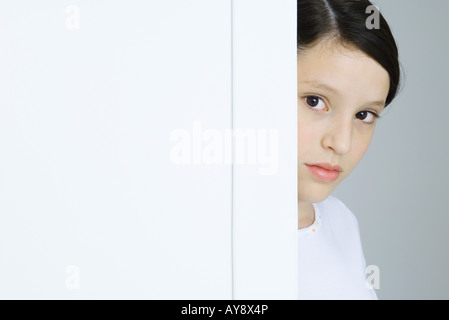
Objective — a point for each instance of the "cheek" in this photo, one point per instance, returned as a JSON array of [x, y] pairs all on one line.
[[307, 137], [360, 146]]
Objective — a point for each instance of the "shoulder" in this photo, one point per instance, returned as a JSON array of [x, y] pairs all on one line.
[[334, 209]]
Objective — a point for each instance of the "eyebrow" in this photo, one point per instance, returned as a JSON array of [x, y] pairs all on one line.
[[323, 86]]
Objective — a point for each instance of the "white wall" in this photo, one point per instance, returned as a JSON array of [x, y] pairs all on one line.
[[265, 193], [98, 102]]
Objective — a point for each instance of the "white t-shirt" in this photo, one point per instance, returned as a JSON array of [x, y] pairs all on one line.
[[331, 263]]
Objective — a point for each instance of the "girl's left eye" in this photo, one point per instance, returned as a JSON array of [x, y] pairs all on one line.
[[363, 115]]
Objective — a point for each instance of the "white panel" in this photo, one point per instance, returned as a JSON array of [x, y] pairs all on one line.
[[92, 204], [265, 186]]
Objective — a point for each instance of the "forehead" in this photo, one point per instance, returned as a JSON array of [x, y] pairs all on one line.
[[349, 73]]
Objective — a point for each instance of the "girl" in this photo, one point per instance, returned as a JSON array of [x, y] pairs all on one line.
[[348, 73]]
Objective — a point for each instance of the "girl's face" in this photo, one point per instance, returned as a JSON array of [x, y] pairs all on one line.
[[339, 93]]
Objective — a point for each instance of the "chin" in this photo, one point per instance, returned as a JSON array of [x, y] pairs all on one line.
[[314, 194]]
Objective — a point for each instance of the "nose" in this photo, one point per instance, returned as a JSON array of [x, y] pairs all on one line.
[[338, 136]]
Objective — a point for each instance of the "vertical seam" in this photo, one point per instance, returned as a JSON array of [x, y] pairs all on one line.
[[232, 151]]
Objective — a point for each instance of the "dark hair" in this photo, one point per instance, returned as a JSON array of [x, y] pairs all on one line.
[[344, 21]]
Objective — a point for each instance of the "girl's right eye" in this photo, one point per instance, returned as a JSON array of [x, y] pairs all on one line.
[[315, 103]]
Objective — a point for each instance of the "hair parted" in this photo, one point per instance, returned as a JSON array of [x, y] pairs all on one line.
[[344, 22]]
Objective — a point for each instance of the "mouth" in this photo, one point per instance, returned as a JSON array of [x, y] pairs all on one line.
[[325, 171]]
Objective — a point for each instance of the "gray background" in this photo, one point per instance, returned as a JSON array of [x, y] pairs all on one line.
[[399, 190]]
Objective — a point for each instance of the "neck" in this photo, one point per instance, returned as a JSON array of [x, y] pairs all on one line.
[[306, 214]]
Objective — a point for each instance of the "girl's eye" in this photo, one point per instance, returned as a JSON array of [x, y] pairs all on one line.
[[363, 115], [314, 102]]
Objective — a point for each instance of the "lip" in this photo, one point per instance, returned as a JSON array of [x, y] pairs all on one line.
[[325, 171], [327, 166]]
